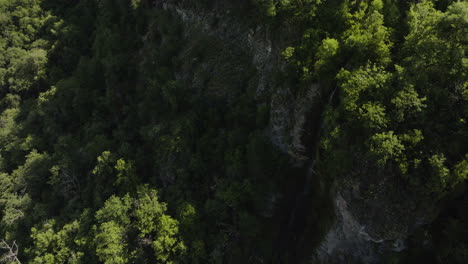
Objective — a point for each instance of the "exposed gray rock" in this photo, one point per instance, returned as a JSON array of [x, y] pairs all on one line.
[[372, 217], [288, 112], [347, 238]]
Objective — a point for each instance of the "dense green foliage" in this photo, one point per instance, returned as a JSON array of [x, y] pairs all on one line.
[[108, 155]]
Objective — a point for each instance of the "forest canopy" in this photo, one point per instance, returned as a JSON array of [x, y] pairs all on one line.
[[110, 154]]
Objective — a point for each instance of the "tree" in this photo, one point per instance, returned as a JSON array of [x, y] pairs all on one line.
[[103, 175], [326, 55], [34, 173], [143, 215], [461, 170], [116, 209], [51, 247], [15, 207], [408, 103], [147, 211], [367, 38], [167, 246], [111, 245], [364, 85], [373, 115], [26, 68], [266, 7], [126, 176], [386, 146], [439, 174]]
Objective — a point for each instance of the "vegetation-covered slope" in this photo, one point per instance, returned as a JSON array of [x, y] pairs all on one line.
[[130, 133]]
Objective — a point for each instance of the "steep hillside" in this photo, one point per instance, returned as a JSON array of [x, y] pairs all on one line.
[[217, 131]]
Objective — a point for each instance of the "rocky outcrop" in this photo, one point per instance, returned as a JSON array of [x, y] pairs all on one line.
[[348, 239], [371, 218], [289, 112]]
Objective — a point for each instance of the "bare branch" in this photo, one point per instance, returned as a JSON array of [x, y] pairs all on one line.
[[12, 252]]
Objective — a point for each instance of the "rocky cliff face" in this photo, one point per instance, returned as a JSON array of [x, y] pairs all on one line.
[[235, 38], [366, 237], [375, 215], [371, 218]]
